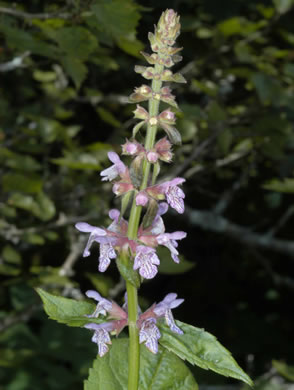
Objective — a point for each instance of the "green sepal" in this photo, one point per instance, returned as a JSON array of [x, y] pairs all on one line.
[[67, 311], [173, 134], [202, 349], [150, 213], [137, 128], [155, 173], [149, 58], [175, 77], [125, 200], [125, 267], [163, 370]]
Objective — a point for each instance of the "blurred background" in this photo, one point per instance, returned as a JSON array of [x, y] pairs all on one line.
[[66, 70]]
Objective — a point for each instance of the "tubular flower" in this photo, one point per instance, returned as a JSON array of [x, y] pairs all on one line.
[[101, 336], [163, 309], [117, 169], [174, 195], [101, 331], [169, 190], [169, 240], [146, 260], [149, 332], [112, 237]]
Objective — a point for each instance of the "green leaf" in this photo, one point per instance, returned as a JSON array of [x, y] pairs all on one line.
[[282, 6], [11, 255], [108, 117], [284, 369], [163, 371], [285, 185], [231, 26], [75, 42], [76, 69], [202, 349], [67, 311], [117, 18], [18, 182]]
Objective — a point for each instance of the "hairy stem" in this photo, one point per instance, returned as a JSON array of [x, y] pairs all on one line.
[[134, 220]]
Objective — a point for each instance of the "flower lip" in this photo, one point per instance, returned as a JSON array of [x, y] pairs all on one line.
[[87, 228]]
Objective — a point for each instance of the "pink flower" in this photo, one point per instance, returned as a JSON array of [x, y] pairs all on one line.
[[146, 260], [117, 169]]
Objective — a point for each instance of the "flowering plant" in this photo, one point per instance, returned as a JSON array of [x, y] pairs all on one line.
[[133, 243]]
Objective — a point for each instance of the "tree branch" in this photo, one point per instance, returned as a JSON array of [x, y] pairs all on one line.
[[26, 15], [208, 220]]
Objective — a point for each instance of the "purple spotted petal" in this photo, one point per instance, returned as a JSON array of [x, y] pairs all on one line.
[[106, 254], [174, 196], [100, 337], [169, 240], [171, 322], [146, 260], [149, 333]]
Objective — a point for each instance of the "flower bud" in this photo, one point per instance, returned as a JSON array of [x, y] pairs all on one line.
[[140, 113], [142, 199], [152, 157], [130, 148], [167, 116]]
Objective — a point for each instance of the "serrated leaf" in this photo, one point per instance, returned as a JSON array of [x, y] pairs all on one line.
[[67, 311], [163, 371], [202, 349]]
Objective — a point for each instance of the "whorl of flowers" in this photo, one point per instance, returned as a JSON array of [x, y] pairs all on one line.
[[139, 182]]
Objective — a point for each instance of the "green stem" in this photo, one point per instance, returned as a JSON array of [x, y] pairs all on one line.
[[134, 220]]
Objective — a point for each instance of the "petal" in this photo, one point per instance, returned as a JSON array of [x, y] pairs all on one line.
[[109, 173], [94, 294], [171, 322], [87, 228], [106, 254]]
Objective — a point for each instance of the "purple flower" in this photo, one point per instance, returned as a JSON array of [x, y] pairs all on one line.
[[103, 306], [169, 240], [174, 195], [118, 168], [146, 260], [102, 237], [149, 333], [163, 309], [101, 336]]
